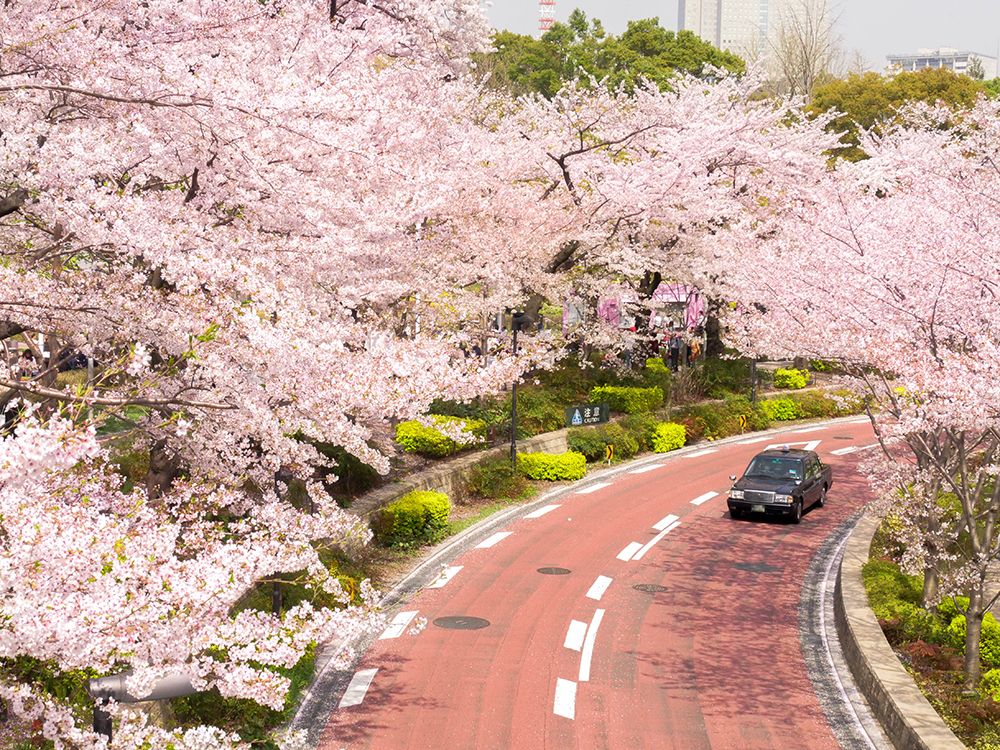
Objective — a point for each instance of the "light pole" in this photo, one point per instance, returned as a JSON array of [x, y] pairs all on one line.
[[518, 321]]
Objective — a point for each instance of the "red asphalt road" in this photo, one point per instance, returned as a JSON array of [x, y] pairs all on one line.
[[714, 661]]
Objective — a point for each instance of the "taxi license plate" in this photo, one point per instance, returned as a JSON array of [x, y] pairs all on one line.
[[757, 508]]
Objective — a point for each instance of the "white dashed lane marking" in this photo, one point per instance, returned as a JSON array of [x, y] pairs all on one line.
[[575, 635], [565, 700], [704, 498], [665, 521], [843, 451], [358, 688], [593, 488], [701, 453], [752, 441], [494, 539], [398, 625], [598, 588], [631, 549], [446, 575], [542, 511], [644, 469]]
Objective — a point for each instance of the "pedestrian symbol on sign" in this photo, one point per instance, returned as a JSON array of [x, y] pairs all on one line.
[[577, 419]]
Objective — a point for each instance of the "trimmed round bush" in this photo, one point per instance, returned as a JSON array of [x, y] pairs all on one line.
[[656, 364], [779, 409], [626, 400], [418, 517], [990, 684], [552, 467], [669, 436], [414, 437], [791, 378], [592, 441]]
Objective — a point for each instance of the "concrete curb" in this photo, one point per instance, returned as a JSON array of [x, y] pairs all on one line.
[[908, 719]]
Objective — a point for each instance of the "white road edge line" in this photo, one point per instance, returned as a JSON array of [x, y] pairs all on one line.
[[665, 521], [588, 645], [398, 625], [575, 635], [356, 691], [631, 549], [446, 575], [701, 453], [704, 498], [542, 511], [593, 488], [868, 447], [843, 451], [649, 545], [493, 539], [644, 469], [598, 587], [565, 701]]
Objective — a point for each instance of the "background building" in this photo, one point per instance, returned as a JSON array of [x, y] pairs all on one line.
[[741, 26], [943, 57]]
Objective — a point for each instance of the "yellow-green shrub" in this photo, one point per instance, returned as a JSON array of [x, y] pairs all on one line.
[[414, 437], [668, 436], [628, 400], [552, 466], [791, 378], [418, 517], [989, 638], [780, 409]]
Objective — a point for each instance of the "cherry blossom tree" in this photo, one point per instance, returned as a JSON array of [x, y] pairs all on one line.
[[890, 267]]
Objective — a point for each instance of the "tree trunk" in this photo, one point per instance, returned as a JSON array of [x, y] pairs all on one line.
[[163, 470], [973, 632], [930, 561]]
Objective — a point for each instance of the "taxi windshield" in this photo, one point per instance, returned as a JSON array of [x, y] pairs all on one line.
[[775, 467]]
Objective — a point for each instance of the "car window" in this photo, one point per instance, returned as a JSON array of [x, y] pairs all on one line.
[[775, 467]]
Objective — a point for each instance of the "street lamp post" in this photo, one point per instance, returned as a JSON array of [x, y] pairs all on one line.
[[518, 321]]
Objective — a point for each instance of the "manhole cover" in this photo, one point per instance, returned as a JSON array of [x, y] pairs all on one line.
[[760, 567], [842, 437], [461, 622], [650, 588], [554, 571]]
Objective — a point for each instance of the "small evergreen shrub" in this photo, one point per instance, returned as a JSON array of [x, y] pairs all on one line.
[[641, 427], [779, 409], [989, 639], [418, 517], [656, 364], [495, 478], [951, 607], [628, 400], [669, 436], [592, 441], [791, 378], [414, 437], [990, 685], [694, 427], [552, 467], [721, 377]]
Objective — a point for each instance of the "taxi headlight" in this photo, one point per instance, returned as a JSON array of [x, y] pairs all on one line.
[[736, 494], [787, 499]]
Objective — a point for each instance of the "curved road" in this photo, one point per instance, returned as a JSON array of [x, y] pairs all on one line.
[[670, 625]]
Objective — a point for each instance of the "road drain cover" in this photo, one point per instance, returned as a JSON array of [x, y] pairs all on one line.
[[842, 437], [650, 588], [461, 622], [760, 567], [554, 571]]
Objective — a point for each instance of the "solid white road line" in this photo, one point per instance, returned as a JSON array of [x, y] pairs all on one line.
[[446, 575], [598, 587], [649, 545], [704, 498], [575, 635], [588, 645], [644, 469], [751, 441], [398, 625], [565, 702], [701, 453], [843, 451], [664, 522], [631, 549], [356, 691], [593, 488], [542, 511], [494, 539]]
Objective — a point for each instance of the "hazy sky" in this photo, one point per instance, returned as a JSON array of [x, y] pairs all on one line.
[[873, 27]]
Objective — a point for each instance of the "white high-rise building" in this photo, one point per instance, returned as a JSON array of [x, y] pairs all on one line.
[[741, 26]]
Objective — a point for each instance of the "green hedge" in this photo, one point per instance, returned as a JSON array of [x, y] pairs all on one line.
[[669, 436], [418, 517], [414, 437], [780, 409], [551, 466], [592, 441], [791, 378], [628, 400]]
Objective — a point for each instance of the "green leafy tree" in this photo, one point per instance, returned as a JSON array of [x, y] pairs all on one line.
[[870, 100], [580, 48]]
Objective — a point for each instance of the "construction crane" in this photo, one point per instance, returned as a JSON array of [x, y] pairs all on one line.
[[546, 15]]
